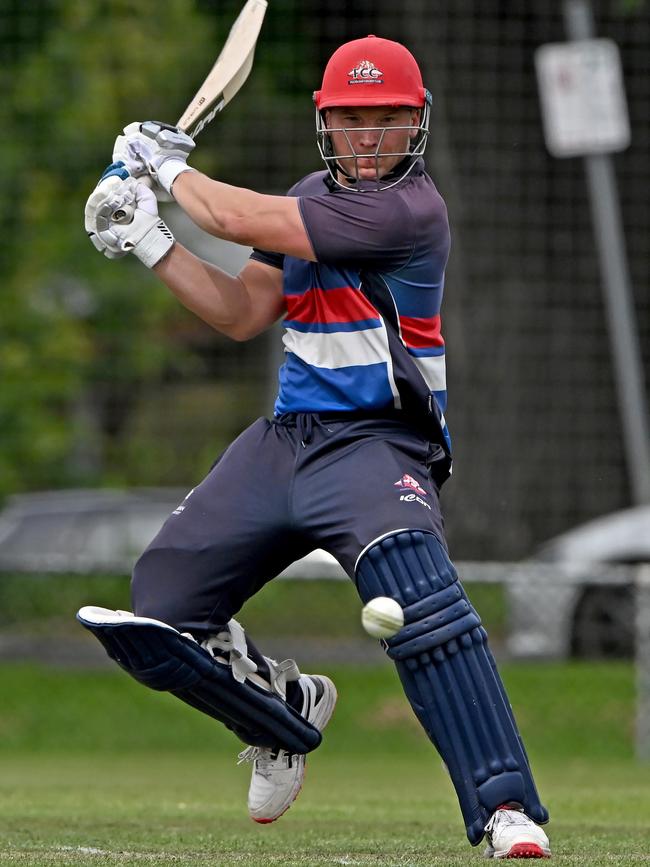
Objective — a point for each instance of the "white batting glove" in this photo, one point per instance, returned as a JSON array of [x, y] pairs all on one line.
[[122, 217], [155, 149], [109, 183]]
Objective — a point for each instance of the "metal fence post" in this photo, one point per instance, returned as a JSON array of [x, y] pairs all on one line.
[[619, 302], [643, 662]]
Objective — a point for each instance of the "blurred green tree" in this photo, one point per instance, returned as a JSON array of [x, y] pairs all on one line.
[[81, 337]]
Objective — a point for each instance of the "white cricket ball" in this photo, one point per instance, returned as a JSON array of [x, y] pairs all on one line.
[[382, 617]]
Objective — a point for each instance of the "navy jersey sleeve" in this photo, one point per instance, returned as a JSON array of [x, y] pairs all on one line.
[[369, 229], [276, 260]]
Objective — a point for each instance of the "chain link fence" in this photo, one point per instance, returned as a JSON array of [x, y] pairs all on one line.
[[533, 408]]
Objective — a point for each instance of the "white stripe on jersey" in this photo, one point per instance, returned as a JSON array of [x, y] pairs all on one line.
[[433, 370], [339, 348]]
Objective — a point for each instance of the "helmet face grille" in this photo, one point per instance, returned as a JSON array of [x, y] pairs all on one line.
[[371, 71], [347, 180]]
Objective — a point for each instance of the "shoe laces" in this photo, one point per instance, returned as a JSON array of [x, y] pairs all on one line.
[[506, 815], [264, 758], [250, 754]]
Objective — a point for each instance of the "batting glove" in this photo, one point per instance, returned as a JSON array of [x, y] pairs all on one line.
[[155, 149], [109, 182], [122, 217]]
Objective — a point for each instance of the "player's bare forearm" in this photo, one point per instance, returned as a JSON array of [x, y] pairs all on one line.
[[239, 307], [244, 216]]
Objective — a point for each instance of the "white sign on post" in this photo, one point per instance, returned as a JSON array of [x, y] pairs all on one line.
[[583, 98]]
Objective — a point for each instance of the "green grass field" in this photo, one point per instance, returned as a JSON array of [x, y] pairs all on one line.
[[96, 770]]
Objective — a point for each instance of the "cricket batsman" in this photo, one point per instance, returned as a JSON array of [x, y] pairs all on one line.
[[352, 260]]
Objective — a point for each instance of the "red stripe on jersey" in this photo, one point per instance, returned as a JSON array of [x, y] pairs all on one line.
[[330, 305], [421, 333]]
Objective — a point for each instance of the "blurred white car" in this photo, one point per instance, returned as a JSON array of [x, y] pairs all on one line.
[[577, 596]]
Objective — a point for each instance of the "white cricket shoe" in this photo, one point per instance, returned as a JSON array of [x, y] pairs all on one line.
[[277, 774], [511, 834]]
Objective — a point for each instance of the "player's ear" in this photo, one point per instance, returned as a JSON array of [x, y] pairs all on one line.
[[416, 114]]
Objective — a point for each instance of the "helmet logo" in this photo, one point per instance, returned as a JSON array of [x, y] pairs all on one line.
[[365, 72]]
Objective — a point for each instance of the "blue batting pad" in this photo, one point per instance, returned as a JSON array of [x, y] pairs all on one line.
[[450, 677], [158, 656]]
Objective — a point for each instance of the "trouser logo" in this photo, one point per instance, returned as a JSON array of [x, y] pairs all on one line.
[[413, 498], [408, 483], [181, 508]]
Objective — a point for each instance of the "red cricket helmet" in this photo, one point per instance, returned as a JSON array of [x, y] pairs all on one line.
[[371, 71]]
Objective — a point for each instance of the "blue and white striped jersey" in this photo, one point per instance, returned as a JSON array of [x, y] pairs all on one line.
[[338, 357]]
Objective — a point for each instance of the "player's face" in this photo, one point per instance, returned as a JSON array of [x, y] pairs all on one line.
[[370, 142]]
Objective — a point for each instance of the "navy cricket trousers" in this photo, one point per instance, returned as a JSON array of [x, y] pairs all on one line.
[[283, 488]]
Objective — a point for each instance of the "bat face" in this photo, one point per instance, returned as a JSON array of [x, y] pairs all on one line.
[[229, 72]]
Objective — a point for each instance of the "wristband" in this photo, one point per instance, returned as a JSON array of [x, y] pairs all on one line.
[[168, 172]]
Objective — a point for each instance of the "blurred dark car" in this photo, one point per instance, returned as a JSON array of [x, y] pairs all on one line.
[[577, 596]]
